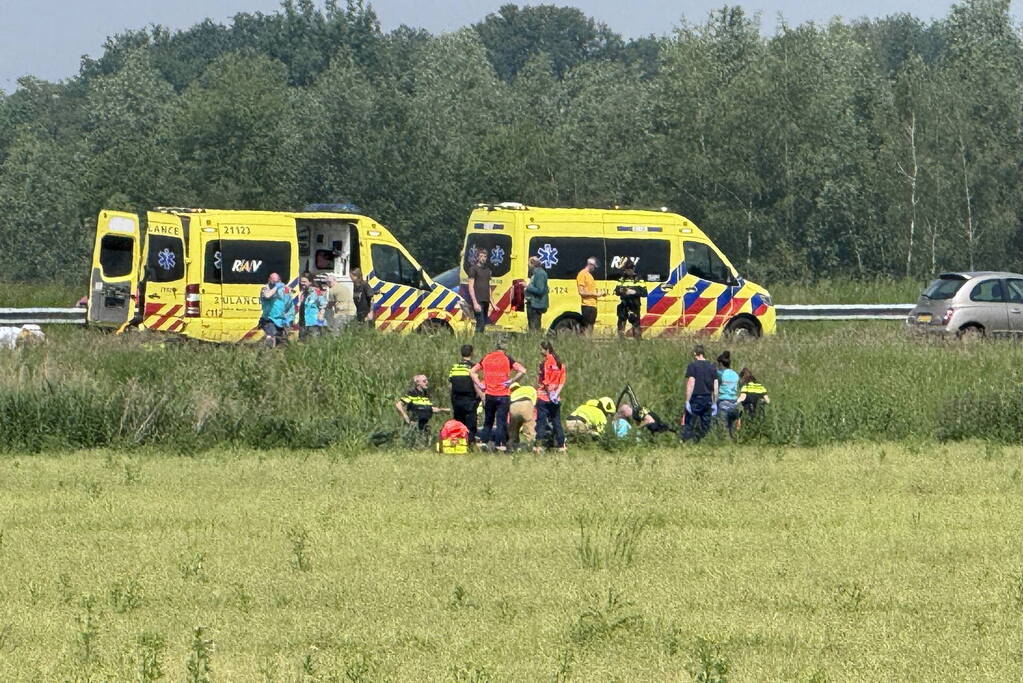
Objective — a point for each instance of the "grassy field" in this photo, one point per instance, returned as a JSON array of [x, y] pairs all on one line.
[[830, 384], [848, 563]]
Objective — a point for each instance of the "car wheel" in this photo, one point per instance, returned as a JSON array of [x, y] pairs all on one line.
[[742, 328], [971, 333]]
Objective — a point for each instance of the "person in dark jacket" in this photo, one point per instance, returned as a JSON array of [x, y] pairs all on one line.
[[630, 292], [466, 395], [537, 300], [362, 294]]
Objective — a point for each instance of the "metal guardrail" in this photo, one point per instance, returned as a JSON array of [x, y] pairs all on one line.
[[785, 312], [42, 316]]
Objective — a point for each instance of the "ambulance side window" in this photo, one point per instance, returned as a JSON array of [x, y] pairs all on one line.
[[651, 257], [498, 246], [390, 265], [115, 255], [166, 258], [564, 257], [704, 263], [250, 262], [212, 261]]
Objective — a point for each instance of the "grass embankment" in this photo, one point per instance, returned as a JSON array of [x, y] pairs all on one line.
[[839, 563], [87, 389], [828, 291]]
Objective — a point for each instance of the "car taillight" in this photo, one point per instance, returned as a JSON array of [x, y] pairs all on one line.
[[948, 316], [518, 302], [192, 301]]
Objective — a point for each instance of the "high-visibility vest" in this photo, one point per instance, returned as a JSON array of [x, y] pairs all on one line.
[[461, 380], [524, 392], [496, 367], [552, 378], [591, 414]]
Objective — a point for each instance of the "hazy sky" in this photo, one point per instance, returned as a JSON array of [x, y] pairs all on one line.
[[46, 38]]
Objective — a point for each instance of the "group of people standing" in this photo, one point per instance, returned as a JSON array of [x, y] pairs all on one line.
[[629, 290], [716, 390], [322, 305], [516, 413]]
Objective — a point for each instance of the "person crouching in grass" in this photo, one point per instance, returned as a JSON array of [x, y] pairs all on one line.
[[416, 407]]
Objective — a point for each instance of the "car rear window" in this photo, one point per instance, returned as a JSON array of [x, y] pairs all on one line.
[[944, 288]]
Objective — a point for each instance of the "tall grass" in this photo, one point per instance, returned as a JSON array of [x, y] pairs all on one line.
[[89, 389], [829, 291]]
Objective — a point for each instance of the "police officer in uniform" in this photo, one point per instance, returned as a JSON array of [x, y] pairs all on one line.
[[629, 291], [465, 393]]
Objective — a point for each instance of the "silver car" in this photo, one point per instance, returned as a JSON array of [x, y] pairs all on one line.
[[971, 304]]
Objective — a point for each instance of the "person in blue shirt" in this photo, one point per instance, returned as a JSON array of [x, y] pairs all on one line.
[[621, 423], [728, 406], [274, 301], [312, 305]]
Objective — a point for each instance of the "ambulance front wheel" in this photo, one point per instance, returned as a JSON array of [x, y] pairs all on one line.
[[743, 327], [434, 326]]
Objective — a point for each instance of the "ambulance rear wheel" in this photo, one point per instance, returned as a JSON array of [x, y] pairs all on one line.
[[742, 327], [567, 326]]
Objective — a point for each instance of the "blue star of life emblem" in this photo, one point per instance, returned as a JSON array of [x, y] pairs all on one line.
[[497, 255], [548, 256], [166, 259]]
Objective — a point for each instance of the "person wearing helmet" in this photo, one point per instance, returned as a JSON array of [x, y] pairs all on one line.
[[591, 417]]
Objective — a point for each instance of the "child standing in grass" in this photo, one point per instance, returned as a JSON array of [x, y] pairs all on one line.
[[752, 394]]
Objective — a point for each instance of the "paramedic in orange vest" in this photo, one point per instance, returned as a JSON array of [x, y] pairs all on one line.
[[549, 384], [497, 367]]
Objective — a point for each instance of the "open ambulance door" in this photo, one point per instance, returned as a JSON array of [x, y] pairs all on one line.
[[115, 272], [163, 285]]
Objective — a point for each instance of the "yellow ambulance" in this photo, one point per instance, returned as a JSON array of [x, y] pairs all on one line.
[[691, 286], [198, 272]]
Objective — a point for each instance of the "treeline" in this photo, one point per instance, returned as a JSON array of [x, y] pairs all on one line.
[[874, 147]]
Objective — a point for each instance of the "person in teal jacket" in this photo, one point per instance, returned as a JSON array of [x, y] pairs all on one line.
[[275, 300], [537, 291], [313, 304]]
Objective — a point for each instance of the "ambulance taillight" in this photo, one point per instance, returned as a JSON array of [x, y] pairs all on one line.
[[192, 301]]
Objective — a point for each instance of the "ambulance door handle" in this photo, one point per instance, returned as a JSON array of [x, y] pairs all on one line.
[[690, 289]]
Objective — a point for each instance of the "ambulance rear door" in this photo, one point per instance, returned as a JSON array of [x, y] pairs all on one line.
[[202, 291], [163, 287], [114, 277]]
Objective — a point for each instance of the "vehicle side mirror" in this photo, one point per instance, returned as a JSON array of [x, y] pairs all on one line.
[[422, 280]]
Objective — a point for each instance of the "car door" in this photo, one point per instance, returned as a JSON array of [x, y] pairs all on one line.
[[401, 288], [1014, 288], [113, 282], [709, 288], [163, 287], [988, 305]]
